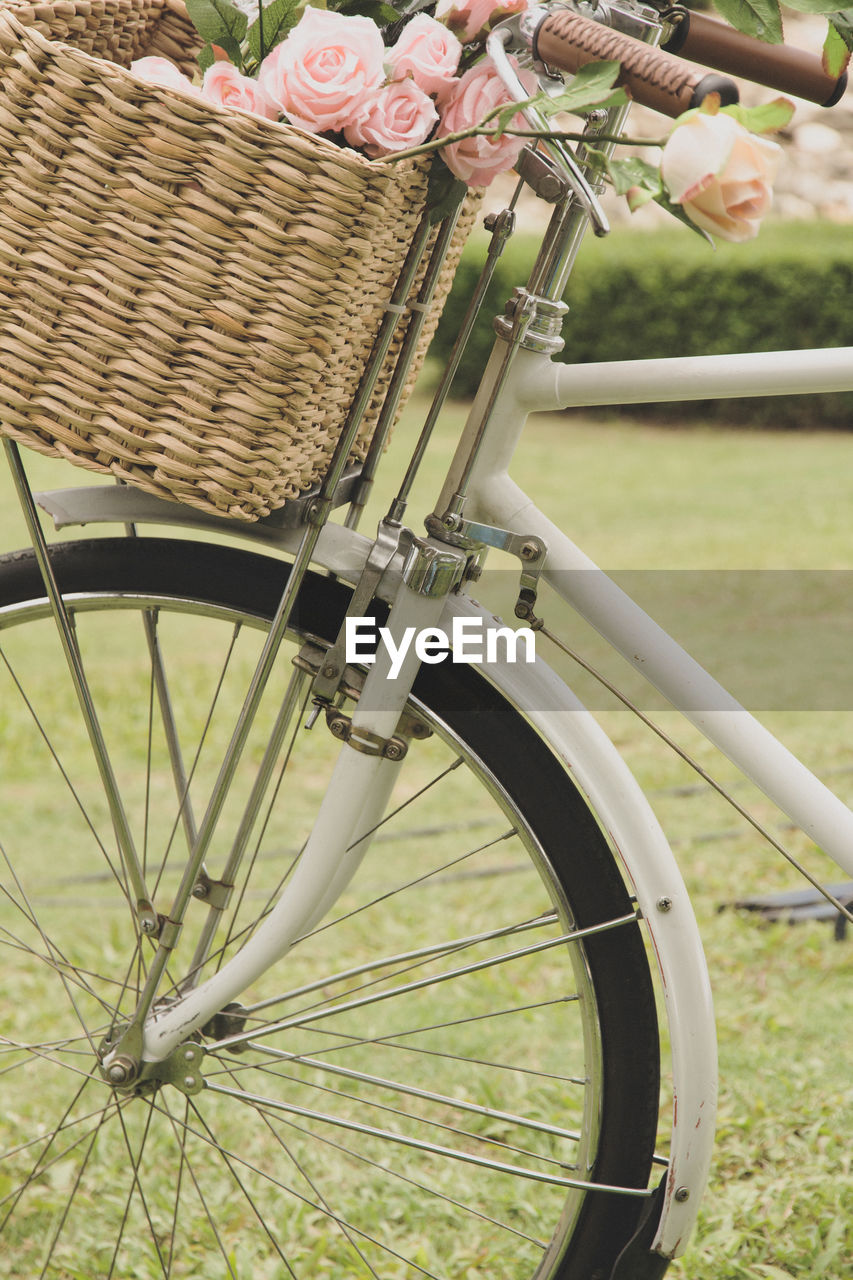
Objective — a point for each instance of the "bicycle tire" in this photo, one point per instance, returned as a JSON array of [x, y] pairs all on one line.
[[140, 1157]]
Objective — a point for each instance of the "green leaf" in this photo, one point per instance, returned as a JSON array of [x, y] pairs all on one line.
[[836, 52], [677, 212], [444, 190], [279, 18], [591, 86], [760, 18], [206, 58], [767, 118], [380, 12], [633, 172], [219, 22], [840, 29], [503, 118]]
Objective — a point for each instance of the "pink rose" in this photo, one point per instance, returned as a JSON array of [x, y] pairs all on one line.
[[427, 52], [324, 70], [479, 159], [162, 72], [468, 18], [228, 87], [720, 174], [400, 115]]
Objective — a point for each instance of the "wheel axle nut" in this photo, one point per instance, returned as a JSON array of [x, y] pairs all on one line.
[[121, 1071]]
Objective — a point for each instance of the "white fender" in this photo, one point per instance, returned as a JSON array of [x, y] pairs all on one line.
[[625, 814]]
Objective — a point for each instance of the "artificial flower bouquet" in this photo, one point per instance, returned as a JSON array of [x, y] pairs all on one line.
[[389, 83], [331, 74], [380, 84]]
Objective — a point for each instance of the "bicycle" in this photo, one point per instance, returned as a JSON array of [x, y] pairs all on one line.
[[290, 1007]]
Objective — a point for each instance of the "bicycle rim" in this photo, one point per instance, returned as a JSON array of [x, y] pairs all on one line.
[[426, 1085]]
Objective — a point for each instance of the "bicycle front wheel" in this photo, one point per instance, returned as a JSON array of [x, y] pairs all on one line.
[[436, 1081]]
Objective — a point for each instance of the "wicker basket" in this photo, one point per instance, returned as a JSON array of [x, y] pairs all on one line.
[[188, 295]]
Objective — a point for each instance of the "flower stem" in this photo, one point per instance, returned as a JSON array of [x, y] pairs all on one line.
[[559, 135]]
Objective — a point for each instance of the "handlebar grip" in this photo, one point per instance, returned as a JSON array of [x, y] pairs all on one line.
[[656, 79], [706, 40]]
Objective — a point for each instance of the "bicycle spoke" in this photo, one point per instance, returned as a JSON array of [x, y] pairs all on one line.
[[386, 1135], [316, 1015], [179, 1128], [398, 1176], [390, 1040], [61, 1126], [233, 1160], [398, 1086], [465, 1136], [67, 972], [79, 805], [182, 779], [401, 963], [134, 1189], [71, 1196], [315, 1190]]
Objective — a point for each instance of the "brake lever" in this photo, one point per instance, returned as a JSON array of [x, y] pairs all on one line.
[[497, 44]]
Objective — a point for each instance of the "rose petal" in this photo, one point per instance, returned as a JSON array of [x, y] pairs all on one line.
[[746, 199], [699, 146]]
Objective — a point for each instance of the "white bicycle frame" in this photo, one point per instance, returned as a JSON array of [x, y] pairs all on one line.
[[362, 782]]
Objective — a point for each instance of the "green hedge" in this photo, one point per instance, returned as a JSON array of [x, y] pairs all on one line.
[[640, 294]]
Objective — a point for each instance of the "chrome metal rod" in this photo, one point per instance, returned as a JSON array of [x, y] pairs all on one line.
[[411, 1091], [291, 701], [406, 959], [503, 227], [397, 386], [310, 1016], [146, 914], [417, 1144]]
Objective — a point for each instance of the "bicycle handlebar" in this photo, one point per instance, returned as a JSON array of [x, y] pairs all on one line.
[[657, 79], [713, 44]]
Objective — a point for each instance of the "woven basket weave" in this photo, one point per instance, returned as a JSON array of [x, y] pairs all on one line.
[[188, 295]]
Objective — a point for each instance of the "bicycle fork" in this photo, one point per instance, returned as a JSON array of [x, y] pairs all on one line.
[[355, 800]]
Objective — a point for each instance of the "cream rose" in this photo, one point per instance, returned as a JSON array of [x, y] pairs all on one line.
[[228, 87], [428, 52], [165, 74], [328, 65], [720, 174], [479, 159], [399, 116]]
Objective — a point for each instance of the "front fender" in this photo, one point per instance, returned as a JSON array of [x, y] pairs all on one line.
[[624, 812]]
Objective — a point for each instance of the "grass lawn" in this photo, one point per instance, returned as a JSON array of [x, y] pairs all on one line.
[[741, 539]]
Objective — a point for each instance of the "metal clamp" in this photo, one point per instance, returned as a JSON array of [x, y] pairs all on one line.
[[469, 534], [370, 744], [382, 552], [311, 658], [213, 893], [543, 321]]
